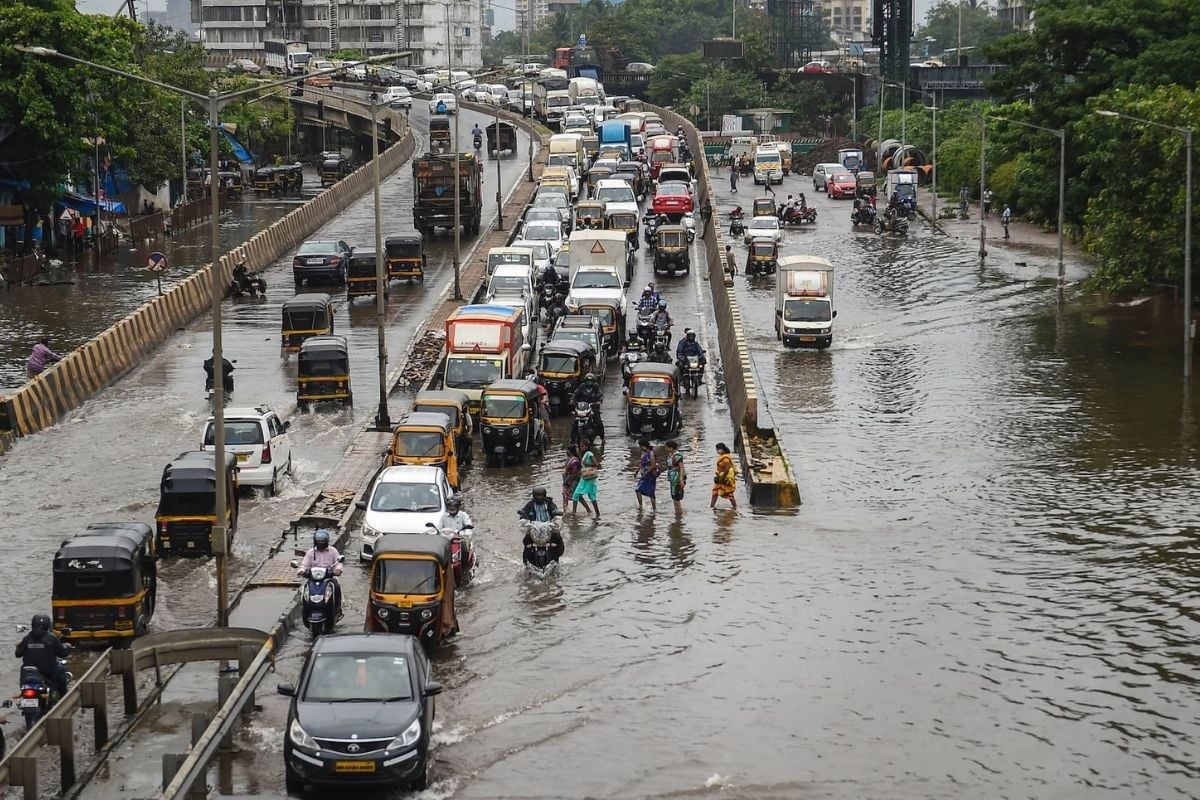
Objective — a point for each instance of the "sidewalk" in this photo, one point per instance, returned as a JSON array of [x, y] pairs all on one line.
[[1023, 236]]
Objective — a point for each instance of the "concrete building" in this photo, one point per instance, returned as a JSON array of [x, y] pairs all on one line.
[[1017, 13], [848, 19], [426, 26]]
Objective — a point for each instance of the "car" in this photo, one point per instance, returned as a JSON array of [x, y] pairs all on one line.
[[258, 438], [673, 198], [764, 228], [319, 81], [402, 500], [361, 713], [447, 98], [514, 101], [577, 121], [840, 184], [397, 97], [497, 94], [637, 144], [356, 71], [817, 66], [551, 214], [542, 254], [639, 66], [542, 231], [820, 171], [243, 65], [511, 279], [321, 258], [616, 194]]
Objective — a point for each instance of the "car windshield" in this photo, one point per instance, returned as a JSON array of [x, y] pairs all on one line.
[[504, 406], [496, 259], [419, 444], [806, 311], [406, 576], [652, 388], [598, 279], [602, 313], [766, 158], [540, 250], [615, 194], [556, 363], [550, 200], [407, 497], [358, 678], [556, 102], [473, 373], [508, 284], [765, 223], [549, 214], [315, 248], [542, 232], [237, 431]]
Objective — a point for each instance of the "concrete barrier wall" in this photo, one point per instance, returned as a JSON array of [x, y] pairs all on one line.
[[83, 372]]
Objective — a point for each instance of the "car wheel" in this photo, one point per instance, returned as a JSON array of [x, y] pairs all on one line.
[[292, 783], [272, 487], [421, 782]]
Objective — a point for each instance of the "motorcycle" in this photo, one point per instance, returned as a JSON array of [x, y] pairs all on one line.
[[649, 223], [865, 215], [246, 282], [645, 327], [692, 375], [659, 354], [321, 606], [794, 215], [587, 424], [896, 225], [462, 552], [632, 355], [736, 228], [689, 222], [478, 141], [556, 309], [662, 337], [36, 695], [545, 548], [227, 383]]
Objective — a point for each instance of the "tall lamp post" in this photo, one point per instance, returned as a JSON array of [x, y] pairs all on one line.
[[213, 101], [383, 420], [933, 155], [1062, 189], [1186, 133]]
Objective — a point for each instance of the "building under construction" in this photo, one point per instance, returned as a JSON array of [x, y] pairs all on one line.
[[796, 32], [891, 30]]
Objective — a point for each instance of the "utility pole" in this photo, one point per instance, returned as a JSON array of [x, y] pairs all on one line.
[[982, 187], [499, 203], [383, 421], [219, 541]]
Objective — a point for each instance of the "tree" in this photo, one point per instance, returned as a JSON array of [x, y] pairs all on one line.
[[673, 77], [981, 26], [350, 54], [720, 93]]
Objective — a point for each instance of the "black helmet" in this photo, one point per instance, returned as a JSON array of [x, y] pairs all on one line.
[[453, 504], [40, 623], [321, 539], [539, 493]]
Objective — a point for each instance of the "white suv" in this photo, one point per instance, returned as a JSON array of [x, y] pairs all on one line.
[[258, 439], [402, 500]]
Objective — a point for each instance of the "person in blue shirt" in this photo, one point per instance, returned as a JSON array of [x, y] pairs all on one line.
[[688, 347]]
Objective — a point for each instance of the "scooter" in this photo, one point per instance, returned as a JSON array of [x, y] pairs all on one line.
[[587, 424], [633, 355], [462, 552], [321, 606], [478, 142], [545, 546], [896, 225], [227, 383], [693, 375], [736, 227], [689, 222], [246, 282], [864, 215], [799, 216]]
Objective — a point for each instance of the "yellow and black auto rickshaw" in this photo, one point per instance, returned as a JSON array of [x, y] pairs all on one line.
[[425, 439], [334, 167], [305, 315], [597, 173], [561, 366], [405, 257], [864, 185], [264, 180], [360, 274], [231, 182], [187, 504], [625, 221], [197, 182], [652, 400], [323, 372], [612, 322], [671, 250], [762, 257], [455, 405], [105, 583], [765, 207], [509, 424], [412, 588], [439, 134], [589, 215]]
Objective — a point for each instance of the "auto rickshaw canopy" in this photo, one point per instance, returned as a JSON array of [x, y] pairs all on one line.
[[622, 220], [558, 356], [105, 560], [764, 247], [189, 483], [308, 312], [398, 545], [498, 400], [449, 402], [671, 237], [361, 264], [764, 207], [406, 246], [590, 208], [324, 356], [650, 381]]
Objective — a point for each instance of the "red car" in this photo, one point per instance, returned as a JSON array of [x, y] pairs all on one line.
[[840, 184], [675, 198]]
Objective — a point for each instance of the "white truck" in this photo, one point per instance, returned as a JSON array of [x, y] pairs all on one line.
[[804, 309], [585, 92], [287, 58], [600, 267]]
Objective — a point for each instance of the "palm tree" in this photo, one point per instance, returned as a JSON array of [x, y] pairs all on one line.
[[559, 26]]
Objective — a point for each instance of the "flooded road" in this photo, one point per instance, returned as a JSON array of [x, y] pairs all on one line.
[[989, 591]]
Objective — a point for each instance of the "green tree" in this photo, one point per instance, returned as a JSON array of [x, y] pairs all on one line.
[[722, 91], [350, 54], [673, 77], [981, 26]]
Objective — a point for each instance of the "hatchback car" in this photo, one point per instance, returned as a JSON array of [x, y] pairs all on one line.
[[446, 99], [840, 184], [361, 714], [243, 65], [817, 67], [821, 172], [258, 438], [403, 499], [673, 198], [321, 259], [543, 231], [543, 256], [616, 194], [763, 228]]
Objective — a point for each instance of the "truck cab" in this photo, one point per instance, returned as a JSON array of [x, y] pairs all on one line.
[[804, 311]]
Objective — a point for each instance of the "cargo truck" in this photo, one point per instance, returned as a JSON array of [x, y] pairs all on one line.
[[287, 58], [585, 92], [804, 311], [484, 343], [550, 100], [434, 182]]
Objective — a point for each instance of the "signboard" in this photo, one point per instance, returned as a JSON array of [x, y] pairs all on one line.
[[722, 49], [730, 123], [157, 262]]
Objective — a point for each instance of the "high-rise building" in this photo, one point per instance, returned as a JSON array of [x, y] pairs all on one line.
[[432, 27], [848, 20], [1016, 12]]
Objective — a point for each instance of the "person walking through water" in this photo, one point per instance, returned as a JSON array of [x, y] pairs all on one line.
[[733, 179], [570, 475], [647, 476], [724, 478], [41, 357], [1006, 218], [676, 475], [585, 489]]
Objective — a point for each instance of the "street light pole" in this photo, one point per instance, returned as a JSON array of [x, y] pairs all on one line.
[[499, 204], [982, 187], [383, 421], [183, 149]]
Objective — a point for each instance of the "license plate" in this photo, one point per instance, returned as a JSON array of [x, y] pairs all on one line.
[[808, 338], [242, 457], [316, 262], [27, 702], [354, 766]]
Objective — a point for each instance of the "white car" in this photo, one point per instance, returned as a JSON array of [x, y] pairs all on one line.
[[498, 93], [402, 500], [259, 440], [357, 71], [450, 101], [822, 171], [543, 231], [764, 228], [542, 255], [397, 97], [616, 194]]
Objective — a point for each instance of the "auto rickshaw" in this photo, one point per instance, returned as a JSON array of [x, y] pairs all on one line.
[[412, 588], [509, 424], [864, 185], [425, 439], [612, 322], [333, 169], [305, 315], [597, 173], [636, 176], [405, 257], [765, 207], [105, 582], [197, 182], [439, 134], [323, 372], [762, 257], [231, 182], [652, 400], [625, 221], [501, 136], [188, 501], [590, 209], [360, 274], [561, 366], [671, 250], [265, 181], [455, 405]]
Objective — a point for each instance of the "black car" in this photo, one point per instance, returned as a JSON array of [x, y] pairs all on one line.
[[362, 714], [321, 259]]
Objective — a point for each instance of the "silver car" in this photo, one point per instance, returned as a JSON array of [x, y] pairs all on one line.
[[822, 171]]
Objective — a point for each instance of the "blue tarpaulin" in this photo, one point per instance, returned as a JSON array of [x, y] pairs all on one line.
[[243, 155], [87, 205]]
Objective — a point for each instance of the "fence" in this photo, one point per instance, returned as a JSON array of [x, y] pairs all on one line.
[[146, 226], [195, 211], [23, 269]]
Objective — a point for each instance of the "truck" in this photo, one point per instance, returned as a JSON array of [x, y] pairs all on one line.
[[593, 252], [484, 343], [804, 311], [851, 158], [616, 133], [585, 92], [287, 58], [902, 182], [550, 100], [433, 179]]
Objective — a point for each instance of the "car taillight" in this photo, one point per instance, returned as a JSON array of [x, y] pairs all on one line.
[[266, 454], [60, 613], [29, 693], [335, 260], [162, 528]]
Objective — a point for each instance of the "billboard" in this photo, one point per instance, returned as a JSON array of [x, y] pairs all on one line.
[[722, 49]]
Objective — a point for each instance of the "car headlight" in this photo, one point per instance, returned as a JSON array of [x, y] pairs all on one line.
[[635, 411], [409, 737], [369, 533], [299, 737], [826, 330], [662, 412]]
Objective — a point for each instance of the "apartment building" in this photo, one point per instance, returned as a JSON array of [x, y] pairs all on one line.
[[432, 27], [1017, 13], [849, 20]]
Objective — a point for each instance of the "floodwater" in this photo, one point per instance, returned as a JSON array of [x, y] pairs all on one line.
[[990, 589]]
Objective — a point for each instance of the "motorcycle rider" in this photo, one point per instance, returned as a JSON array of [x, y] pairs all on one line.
[[455, 519], [650, 299], [735, 221], [588, 391], [40, 648], [477, 136], [540, 508], [549, 276], [226, 372], [662, 320], [323, 554], [688, 348]]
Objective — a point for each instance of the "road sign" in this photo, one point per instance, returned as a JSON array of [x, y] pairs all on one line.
[[597, 247], [157, 262], [441, 107]]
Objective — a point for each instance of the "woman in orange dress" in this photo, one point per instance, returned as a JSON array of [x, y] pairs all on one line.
[[724, 478]]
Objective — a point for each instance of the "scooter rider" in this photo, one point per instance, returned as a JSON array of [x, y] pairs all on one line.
[[549, 276], [323, 554], [40, 648], [588, 391], [688, 348], [477, 136], [540, 508], [226, 371], [455, 519], [662, 320]]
